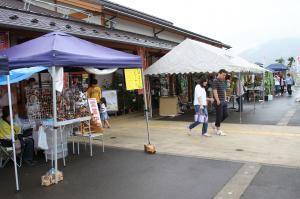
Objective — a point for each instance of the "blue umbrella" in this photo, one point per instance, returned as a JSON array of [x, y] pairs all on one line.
[[277, 67]]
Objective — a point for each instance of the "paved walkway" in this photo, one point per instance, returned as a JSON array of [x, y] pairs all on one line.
[[253, 161], [267, 144]]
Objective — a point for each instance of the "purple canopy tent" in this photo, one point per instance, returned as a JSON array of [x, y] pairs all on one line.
[[59, 49]]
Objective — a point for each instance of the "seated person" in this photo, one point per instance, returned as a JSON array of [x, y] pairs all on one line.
[[27, 143]]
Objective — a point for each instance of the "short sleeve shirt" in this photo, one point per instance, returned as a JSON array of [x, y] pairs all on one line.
[[200, 92], [197, 94], [219, 86]]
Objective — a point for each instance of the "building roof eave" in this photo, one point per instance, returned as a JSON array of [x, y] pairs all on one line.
[[82, 29], [172, 27]]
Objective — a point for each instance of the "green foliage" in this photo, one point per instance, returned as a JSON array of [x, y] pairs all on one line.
[[269, 82], [280, 60], [291, 60]]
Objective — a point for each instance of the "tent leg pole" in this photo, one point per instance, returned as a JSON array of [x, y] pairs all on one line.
[[263, 89], [12, 133], [54, 120], [146, 107], [254, 93], [241, 97]]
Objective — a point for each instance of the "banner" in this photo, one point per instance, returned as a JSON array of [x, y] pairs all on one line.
[[94, 110], [133, 79], [111, 100]]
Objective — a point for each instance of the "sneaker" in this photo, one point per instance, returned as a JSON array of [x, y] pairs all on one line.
[[206, 135], [221, 133]]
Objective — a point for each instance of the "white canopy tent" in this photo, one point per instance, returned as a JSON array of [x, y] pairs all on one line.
[[191, 56]]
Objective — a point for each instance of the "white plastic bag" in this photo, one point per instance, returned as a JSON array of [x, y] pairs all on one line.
[[42, 141]]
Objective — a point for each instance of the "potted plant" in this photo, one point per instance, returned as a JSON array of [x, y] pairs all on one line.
[[269, 84]]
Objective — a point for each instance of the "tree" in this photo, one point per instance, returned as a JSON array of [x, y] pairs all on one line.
[[280, 60], [291, 60]]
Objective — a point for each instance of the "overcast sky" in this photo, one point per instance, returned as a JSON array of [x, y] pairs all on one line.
[[242, 24]]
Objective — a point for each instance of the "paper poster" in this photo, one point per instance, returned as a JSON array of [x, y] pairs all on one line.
[[94, 110], [133, 79], [111, 100]]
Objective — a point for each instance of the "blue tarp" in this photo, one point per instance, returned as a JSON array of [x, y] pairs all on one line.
[[20, 74]]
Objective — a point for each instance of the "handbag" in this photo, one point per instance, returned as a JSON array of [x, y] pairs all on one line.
[[201, 117]]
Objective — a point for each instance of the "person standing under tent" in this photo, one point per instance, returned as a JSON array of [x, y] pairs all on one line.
[[220, 103], [240, 94], [94, 91], [289, 82], [282, 84], [200, 103], [103, 113]]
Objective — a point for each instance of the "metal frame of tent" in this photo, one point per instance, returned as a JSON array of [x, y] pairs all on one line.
[[55, 59]]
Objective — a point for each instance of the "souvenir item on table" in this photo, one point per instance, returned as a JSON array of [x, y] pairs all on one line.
[[71, 104]]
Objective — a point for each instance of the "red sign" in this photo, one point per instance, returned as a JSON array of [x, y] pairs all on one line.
[[94, 110]]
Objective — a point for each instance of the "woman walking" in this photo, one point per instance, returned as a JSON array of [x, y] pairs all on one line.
[[200, 104]]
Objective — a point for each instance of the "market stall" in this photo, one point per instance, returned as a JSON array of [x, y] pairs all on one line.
[[57, 50], [194, 57]]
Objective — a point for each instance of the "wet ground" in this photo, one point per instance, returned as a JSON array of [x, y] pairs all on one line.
[[184, 166], [121, 173]]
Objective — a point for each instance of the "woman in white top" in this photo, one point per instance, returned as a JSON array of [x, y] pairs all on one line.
[[277, 85], [200, 104]]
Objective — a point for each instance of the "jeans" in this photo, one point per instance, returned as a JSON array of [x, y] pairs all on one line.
[[277, 89], [221, 113], [289, 89], [194, 124]]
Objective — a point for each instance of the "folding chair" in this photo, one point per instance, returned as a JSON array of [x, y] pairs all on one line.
[[85, 131], [7, 153]]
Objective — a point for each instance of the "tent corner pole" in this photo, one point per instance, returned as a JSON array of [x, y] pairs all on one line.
[[241, 96], [12, 133], [146, 106], [54, 120]]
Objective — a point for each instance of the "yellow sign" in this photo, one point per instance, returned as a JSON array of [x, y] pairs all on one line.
[[133, 79]]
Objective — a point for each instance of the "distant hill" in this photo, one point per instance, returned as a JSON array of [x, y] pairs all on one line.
[[273, 50]]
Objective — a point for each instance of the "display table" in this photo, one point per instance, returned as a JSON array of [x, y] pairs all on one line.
[[66, 122], [253, 92], [168, 106], [65, 129]]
